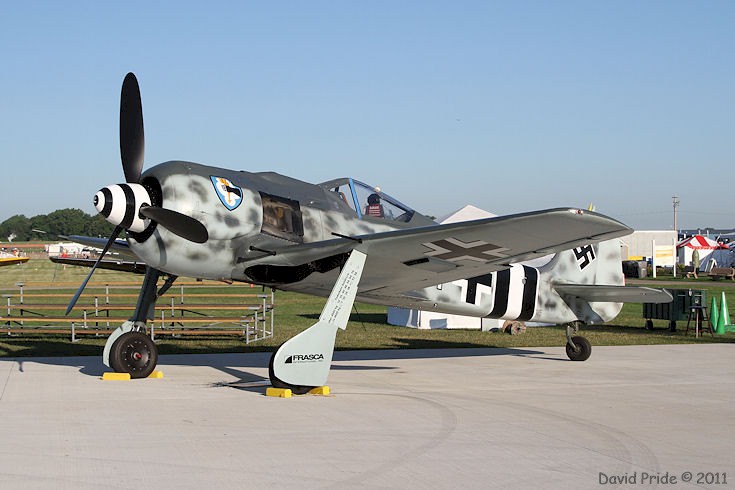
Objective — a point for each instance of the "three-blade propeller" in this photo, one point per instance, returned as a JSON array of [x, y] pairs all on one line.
[[180, 224], [132, 149]]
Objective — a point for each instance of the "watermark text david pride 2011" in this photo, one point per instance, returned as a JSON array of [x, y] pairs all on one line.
[[667, 478]]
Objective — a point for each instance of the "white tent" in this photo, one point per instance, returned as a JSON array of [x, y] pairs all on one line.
[[704, 246], [404, 317], [430, 319], [467, 213]]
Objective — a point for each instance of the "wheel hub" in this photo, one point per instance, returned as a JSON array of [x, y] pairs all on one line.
[[136, 355]]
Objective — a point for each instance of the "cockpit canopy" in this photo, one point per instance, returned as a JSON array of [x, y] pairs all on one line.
[[368, 201]]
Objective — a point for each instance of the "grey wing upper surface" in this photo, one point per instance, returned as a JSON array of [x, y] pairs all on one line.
[[120, 257], [415, 258], [119, 246]]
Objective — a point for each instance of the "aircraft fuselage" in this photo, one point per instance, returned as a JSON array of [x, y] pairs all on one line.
[[247, 215]]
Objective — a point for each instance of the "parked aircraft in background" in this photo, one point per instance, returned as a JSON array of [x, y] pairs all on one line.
[[14, 258], [346, 240]]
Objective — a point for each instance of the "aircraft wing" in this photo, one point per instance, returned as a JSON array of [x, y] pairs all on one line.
[[13, 260], [109, 264], [119, 246], [615, 294], [414, 258]]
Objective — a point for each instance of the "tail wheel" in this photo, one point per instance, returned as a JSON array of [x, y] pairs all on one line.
[[514, 327], [134, 353], [581, 350]]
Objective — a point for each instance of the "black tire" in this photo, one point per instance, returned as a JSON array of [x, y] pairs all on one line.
[[134, 353], [672, 326], [649, 324], [583, 350], [277, 383]]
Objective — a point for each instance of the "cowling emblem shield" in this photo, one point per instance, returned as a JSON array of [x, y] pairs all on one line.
[[229, 194]]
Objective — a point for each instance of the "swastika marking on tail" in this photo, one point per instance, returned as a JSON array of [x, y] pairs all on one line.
[[585, 255]]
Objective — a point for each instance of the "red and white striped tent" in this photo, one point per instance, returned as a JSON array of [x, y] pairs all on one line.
[[704, 246]]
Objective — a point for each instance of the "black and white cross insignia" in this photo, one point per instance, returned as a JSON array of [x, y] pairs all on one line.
[[585, 255], [454, 250], [472, 286]]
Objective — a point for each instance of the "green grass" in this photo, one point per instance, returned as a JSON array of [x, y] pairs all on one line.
[[366, 330]]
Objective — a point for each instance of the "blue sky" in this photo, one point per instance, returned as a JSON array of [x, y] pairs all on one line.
[[510, 106]]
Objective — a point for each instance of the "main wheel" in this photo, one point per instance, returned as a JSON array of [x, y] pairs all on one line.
[[134, 353], [277, 383], [582, 351]]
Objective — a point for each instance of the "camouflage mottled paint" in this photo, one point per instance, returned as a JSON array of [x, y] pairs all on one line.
[[187, 188], [236, 244], [566, 268], [548, 305]]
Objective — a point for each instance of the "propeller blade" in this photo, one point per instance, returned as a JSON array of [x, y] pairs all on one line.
[[73, 301], [180, 224], [132, 139]]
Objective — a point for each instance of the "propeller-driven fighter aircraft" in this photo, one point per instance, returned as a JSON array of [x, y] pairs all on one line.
[[343, 239]]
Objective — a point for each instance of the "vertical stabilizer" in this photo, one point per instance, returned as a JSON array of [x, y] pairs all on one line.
[[589, 265], [598, 264]]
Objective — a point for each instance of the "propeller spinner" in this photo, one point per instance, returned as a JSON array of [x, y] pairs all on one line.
[[120, 204]]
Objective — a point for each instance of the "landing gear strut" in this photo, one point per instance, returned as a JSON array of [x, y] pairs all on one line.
[[578, 347], [129, 349]]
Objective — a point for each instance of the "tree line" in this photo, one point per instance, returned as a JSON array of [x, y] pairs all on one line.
[[68, 221]]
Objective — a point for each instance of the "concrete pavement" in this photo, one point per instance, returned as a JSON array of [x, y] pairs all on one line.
[[473, 418]]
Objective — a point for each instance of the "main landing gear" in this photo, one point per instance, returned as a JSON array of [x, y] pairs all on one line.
[[578, 347], [129, 349]]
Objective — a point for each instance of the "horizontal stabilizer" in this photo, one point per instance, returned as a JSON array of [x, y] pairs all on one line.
[[615, 294]]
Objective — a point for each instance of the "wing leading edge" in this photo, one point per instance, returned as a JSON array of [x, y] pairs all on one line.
[[114, 265], [407, 259], [120, 246]]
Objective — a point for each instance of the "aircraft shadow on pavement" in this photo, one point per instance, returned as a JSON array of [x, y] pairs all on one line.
[[424, 349], [88, 365], [253, 383], [56, 352], [411, 348], [237, 365]]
